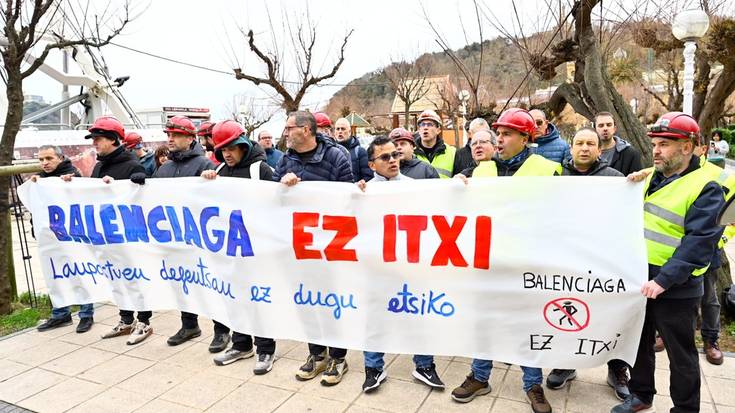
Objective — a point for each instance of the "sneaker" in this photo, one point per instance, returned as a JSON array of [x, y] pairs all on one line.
[[659, 345], [121, 329], [313, 367], [140, 333], [633, 405], [618, 380], [470, 389], [219, 342], [373, 378], [53, 323], [559, 378], [428, 376], [536, 396], [336, 368], [232, 355], [183, 335], [264, 364], [85, 324], [713, 353]]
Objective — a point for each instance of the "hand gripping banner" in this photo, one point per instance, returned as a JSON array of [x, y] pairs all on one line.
[[542, 272]]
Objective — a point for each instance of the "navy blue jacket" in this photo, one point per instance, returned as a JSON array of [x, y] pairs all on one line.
[[359, 158], [327, 164], [701, 233], [273, 155], [552, 147]]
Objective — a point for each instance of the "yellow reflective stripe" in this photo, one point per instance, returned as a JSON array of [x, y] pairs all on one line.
[[664, 214], [443, 171], [664, 239]]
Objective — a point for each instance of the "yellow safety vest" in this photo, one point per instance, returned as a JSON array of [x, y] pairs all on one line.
[[728, 181], [664, 212], [443, 162], [535, 165]]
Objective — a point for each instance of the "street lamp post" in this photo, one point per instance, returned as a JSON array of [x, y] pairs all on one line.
[[688, 27]]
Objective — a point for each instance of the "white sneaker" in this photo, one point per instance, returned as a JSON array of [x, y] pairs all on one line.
[[264, 364], [121, 329], [231, 356], [140, 333]]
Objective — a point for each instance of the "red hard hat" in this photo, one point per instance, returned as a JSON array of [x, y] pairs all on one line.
[[224, 133], [517, 119], [133, 141], [102, 126], [322, 120], [180, 124], [205, 129], [429, 114], [400, 134], [675, 125]]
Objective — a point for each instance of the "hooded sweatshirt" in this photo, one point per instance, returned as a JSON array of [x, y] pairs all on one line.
[[149, 163], [551, 146], [242, 168]]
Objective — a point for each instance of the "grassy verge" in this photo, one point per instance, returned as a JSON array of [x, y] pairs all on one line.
[[23, 316]]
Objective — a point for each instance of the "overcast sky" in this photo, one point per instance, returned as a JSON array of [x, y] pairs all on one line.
[[207, 34]]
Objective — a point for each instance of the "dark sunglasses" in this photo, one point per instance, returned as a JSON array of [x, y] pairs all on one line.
[[386, 157]]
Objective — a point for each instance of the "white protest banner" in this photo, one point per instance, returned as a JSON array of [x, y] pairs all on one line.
[[541, 272]]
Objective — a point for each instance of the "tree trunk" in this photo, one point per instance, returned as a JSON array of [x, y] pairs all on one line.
[[14, 117], [715, 105], [407, 116]]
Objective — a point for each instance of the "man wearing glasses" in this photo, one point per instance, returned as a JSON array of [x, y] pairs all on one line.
[[272, 155], [483, 144], [550, 145], [430, 146], [313, 157]]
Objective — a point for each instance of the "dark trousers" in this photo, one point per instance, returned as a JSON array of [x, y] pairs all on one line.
[[244, 342], [710, 307], [144, 317], [616, 364], [191, 320], [674, 320], [334, 352]]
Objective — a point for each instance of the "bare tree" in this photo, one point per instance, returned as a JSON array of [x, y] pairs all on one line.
[[27, 24], [410, 81], [302, 35], [249, 113]]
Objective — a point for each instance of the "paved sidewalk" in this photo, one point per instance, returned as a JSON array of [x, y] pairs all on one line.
[[60, 370]]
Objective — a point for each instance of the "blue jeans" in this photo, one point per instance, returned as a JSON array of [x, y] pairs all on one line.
[[531, 375], [85, 311], [375, 360]]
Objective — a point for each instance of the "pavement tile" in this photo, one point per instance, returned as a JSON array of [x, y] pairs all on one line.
[[588, 397], [724, 371], [300, 402], [725, 409], [115, 370], [16, 344], [195, 357], [253, 397], [395, 396], [56, 332], [71, 364], [282, 376], [722, 390], [41, 354], [113, 400], [512, 406], [156, 379], [596, 375], [163, 406], [155, 348], [85, 339], [362, 409], [27, 384], [201, 390], [284, 346], [63, 396], [240, 370], [115, 344], [9, 369], [166, 325]]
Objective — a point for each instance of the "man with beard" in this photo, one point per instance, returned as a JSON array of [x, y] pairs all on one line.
[[358, 155], [617, 152], [205, 139]]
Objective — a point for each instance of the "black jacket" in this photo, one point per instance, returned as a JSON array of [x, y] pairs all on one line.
[[64, 168], [359, 158], [418, 169], [191, 162], [242, 169], [698, 244], [626, 158], [599, 168], [463, 158], [118, 164]]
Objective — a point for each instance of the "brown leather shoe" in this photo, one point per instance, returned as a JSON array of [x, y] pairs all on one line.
[[659, 346], [713, 353]]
